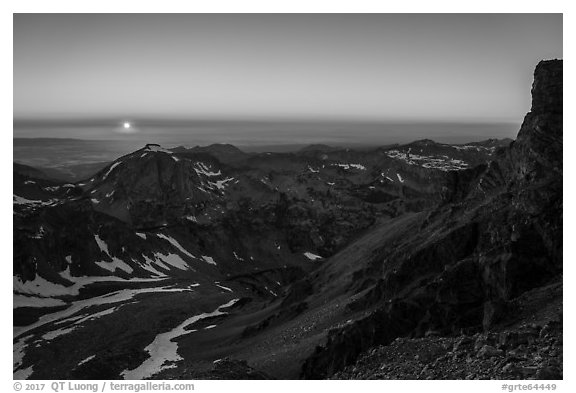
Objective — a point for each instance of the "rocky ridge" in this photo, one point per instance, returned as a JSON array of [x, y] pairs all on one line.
[[473, 257]]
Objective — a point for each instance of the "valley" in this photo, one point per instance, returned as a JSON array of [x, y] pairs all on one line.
[[215, 263]]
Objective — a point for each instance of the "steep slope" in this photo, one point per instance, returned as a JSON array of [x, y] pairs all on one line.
[[467, 262]]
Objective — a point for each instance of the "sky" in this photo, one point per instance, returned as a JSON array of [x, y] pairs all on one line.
[[142, 68]]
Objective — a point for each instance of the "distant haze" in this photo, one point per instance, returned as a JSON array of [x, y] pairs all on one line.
[[246, 133], [274, 78]]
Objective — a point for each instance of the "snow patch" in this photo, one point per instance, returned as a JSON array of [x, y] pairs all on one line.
[[76, 322], [348, 166], [491, 149], [311, 256], [223, 287], [18, 352], [112, 167], [173, 260], [115, 264], [23, 373], [175, 244], [77, 306], [18, 200], [102, 244], [208, 259], [203, 169], [34, 301], [442, 162], [86, 360], [221, 184], [40, 287], [149, 266], [163, 351]]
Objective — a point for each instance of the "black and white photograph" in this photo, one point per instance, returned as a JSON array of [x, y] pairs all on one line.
[[287, 196]]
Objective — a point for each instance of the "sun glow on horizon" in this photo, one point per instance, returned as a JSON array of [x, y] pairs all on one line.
[[126, 127]]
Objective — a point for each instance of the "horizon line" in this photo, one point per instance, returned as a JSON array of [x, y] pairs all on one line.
[[160, 121]]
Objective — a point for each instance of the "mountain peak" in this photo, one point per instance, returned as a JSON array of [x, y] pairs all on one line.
[[223, 147], [156, 147], [424, 142], [224, 152], [537, 151], [547, 87], [151, 145]]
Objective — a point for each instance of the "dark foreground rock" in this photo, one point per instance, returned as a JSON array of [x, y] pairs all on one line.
[[228, 369], [529, 352]]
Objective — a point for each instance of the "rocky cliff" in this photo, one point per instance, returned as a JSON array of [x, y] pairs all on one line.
[[467, 262]]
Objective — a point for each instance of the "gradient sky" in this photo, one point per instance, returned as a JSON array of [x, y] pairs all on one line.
[[435, 67]]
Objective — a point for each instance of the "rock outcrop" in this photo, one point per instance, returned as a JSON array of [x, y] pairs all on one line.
[[474, 255]]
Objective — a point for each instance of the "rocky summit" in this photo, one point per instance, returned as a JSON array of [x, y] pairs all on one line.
[[417, 261]]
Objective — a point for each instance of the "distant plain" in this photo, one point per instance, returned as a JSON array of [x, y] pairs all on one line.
[[58, 146]]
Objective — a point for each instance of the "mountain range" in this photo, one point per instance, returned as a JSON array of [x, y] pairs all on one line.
[[210, 262]]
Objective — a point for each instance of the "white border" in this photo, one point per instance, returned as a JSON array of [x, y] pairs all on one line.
[[301, 6]]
